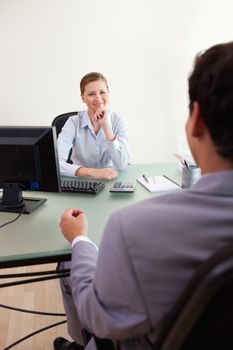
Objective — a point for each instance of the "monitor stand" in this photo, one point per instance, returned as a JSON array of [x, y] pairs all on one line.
[[14, 202], [29, 205]]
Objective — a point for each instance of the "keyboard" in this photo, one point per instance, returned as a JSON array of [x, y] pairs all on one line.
[[123, 187], [90, 187]]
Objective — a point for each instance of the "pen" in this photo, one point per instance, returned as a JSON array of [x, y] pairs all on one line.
[[186, 164], [168, 178], [182, 160], [145, 178]]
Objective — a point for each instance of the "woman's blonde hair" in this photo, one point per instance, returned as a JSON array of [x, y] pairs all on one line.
[[88, 78]]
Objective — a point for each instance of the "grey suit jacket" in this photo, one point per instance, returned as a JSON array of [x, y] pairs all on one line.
[[148, 253]]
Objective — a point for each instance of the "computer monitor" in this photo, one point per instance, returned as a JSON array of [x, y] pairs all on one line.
[[28, 161]]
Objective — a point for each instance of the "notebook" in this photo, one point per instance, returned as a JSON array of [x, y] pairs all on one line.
[[158, 183]]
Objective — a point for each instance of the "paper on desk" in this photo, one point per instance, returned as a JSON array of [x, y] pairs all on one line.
[[158, 183]]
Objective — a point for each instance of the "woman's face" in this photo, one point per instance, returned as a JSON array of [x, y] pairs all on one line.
[[96, 95]]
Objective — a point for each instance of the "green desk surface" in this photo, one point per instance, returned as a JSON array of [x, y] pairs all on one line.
[[36, 238]]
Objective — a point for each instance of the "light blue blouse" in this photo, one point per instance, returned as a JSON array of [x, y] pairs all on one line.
[[91, 150]]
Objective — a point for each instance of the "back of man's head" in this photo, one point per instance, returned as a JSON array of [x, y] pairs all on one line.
[[211, 85]]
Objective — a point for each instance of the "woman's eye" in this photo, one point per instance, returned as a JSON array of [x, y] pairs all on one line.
[[91, 94], [102, 92]]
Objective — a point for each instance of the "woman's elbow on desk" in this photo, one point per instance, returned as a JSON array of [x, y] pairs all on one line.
[[121, 166]]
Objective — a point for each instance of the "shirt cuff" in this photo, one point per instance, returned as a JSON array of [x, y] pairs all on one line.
[[68, 169], [85, 239], [114, 144]]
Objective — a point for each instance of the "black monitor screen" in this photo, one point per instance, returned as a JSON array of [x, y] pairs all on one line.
[[28, 158]]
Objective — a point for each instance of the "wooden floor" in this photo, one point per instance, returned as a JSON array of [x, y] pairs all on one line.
[[39, 296]]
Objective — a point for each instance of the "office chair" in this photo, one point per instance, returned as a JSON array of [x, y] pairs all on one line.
[[59, 122], [202, 319]]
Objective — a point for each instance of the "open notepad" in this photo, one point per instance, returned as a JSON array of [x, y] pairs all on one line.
[[158, 183]]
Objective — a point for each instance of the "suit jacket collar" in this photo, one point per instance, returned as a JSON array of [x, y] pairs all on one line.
[[220, 183]]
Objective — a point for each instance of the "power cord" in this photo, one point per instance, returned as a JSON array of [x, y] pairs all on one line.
[[34, 333], [60, 273], [32, 311], [13, 220]]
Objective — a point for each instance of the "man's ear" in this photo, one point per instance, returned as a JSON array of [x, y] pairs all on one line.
[[198, 126]]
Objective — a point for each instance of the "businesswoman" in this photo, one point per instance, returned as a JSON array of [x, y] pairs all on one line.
[[98, 136]]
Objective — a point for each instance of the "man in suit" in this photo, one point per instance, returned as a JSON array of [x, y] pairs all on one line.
[[150, 250]]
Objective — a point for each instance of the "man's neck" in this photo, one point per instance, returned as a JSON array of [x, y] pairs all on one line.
[[215, 163]]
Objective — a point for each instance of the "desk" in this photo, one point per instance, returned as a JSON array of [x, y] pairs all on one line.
[[36, 238]]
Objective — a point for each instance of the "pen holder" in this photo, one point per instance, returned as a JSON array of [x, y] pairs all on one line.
[[190, 175]]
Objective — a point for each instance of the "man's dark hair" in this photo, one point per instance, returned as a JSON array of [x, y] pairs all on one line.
[[211, 85]]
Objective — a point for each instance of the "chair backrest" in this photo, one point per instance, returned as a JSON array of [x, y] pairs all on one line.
[[60, 120], [202, 319]]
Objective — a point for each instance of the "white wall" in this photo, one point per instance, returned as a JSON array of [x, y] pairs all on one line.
[[145, 48]]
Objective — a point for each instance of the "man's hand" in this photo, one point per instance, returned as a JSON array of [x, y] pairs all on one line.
[[73, 223]]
